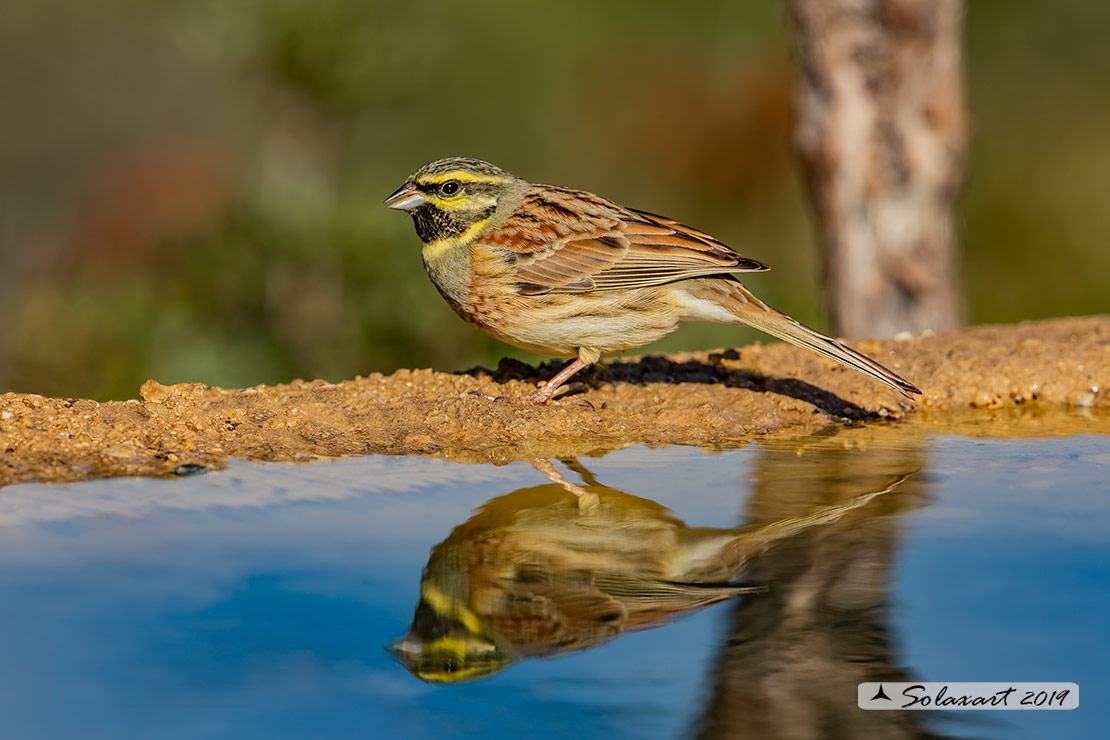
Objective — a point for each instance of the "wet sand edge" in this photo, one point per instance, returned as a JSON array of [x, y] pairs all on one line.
[[706, 398]]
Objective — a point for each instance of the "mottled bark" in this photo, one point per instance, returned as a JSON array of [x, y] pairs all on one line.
[[881, 133]]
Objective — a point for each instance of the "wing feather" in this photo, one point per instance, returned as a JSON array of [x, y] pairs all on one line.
[[588, 243]]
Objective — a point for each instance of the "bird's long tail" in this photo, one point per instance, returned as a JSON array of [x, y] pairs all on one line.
[[733, 550], [754, 312]]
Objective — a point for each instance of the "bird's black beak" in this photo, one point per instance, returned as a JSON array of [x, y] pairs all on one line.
[[406, 198]]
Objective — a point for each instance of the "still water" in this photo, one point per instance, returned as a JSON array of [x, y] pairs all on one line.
[[262, 600]]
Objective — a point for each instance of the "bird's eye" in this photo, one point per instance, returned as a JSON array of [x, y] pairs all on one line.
[[451, 187]]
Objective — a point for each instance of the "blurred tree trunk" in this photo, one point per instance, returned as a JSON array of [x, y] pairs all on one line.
[[880, 129]]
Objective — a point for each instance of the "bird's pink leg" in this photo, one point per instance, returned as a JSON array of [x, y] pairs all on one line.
[[586, 499], [544, 394]]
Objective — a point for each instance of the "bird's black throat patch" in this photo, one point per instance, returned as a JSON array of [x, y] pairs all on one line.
[[433, 224]]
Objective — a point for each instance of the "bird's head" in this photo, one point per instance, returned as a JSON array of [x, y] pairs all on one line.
[[449, 643], [453, 200]]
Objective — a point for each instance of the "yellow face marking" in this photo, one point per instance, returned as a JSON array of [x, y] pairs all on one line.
[[459, 646], [433, 250], [472, 660], [442, 605], [436, 598], [461, 176], [459, 202]]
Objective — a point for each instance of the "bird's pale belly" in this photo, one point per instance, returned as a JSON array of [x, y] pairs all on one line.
[[583, 324], [564, 324]]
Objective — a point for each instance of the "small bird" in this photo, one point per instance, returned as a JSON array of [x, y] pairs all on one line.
[[534, 574], [567, 273]]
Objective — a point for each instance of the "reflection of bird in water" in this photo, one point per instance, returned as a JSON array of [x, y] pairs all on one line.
[[535, 573]]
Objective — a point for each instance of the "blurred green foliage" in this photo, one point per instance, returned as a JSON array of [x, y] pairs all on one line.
[[213, 212]]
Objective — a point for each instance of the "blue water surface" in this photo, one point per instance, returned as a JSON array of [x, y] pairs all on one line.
[[257, 601]]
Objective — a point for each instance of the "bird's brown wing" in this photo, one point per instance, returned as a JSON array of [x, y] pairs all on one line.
[[569, 241], [556, 612], [648, 600]]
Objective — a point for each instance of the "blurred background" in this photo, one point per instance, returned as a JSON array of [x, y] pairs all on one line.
[[191, 191]]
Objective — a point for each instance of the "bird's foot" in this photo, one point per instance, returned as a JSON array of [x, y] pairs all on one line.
[[586, 500]]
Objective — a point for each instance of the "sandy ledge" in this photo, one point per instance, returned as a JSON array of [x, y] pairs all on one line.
[[698, 398]]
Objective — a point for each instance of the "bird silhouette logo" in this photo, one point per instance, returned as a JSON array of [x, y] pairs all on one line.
[[880, 694]]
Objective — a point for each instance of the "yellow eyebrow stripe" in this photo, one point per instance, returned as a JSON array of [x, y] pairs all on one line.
[[458, 646], [461, 176], [433, 250]]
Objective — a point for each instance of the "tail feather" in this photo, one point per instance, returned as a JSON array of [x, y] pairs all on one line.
[[755, 313]]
